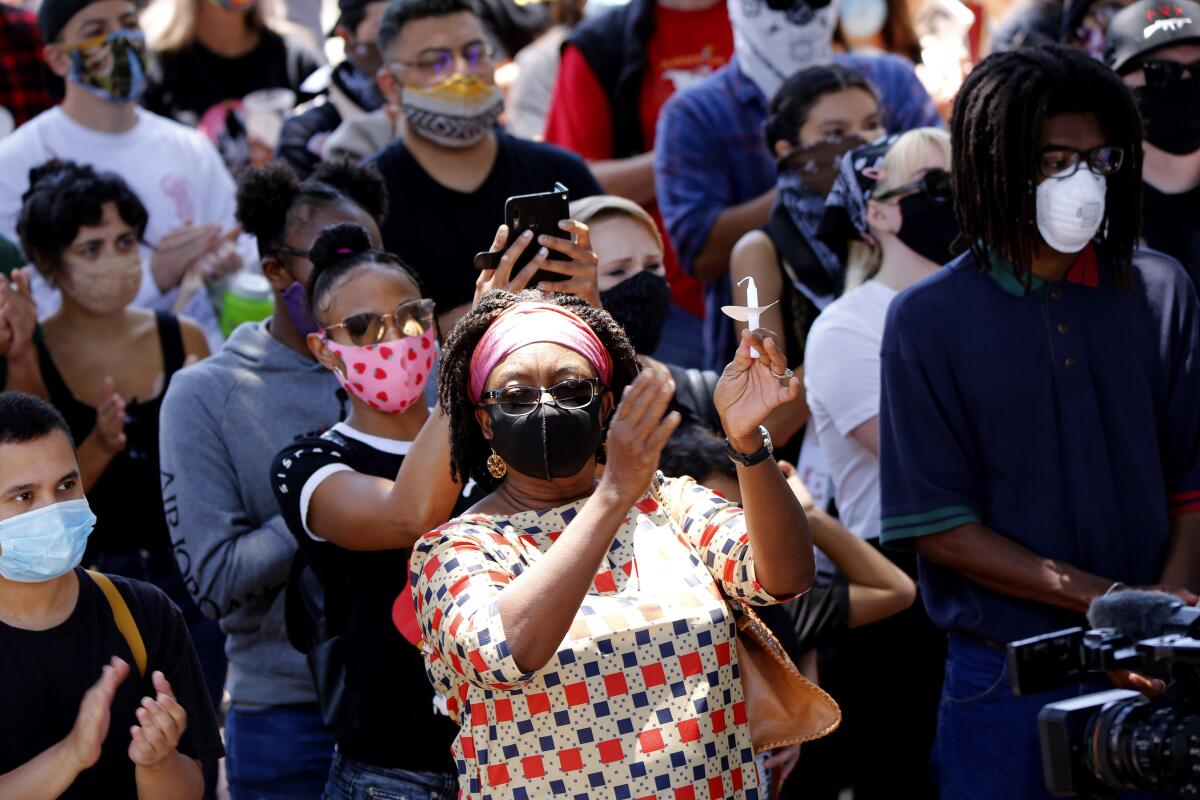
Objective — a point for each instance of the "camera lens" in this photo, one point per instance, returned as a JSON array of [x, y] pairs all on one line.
[[1137, 744]]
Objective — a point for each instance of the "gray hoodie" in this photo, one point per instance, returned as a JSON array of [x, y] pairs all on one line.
[[223, 420]]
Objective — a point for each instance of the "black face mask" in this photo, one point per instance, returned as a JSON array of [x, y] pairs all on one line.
[[1172, 115], [639, 305], [548, 442], [928, 227]]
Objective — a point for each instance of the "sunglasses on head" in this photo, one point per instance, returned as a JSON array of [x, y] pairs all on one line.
[[411, 318], [934, 184]]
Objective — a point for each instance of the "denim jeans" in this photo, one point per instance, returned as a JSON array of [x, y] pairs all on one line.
[[276, 752], [987, 740], [354, 780]]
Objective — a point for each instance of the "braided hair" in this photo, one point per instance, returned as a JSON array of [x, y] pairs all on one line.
[[996, 131], [339, 250], [468, 449]]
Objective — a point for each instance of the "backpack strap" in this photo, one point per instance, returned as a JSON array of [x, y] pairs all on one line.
[[123, 618]]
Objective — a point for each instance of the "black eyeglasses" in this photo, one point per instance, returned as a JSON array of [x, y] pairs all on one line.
[[1161, 74], [517, 401], [411, 318], [291, 251], [440, 61], [1063, 162], [935, 184]]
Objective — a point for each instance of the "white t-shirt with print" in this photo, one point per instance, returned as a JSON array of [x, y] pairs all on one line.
[[174, 170], [841, 378]]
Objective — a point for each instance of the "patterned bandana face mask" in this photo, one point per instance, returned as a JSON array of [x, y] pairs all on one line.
[[110, 67], [457, 113]]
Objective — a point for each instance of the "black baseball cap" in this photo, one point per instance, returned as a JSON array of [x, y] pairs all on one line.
[[1149, 25]]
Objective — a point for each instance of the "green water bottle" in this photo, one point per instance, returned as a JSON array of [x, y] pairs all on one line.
[[247, 299]]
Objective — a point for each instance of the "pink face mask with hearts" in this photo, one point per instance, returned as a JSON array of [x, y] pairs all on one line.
[[389, 376]]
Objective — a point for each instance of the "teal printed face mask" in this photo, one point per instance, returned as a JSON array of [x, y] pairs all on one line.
[[110, 67], [43, 544]]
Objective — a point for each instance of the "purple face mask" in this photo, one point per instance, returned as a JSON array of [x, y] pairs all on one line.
[[295, 303]]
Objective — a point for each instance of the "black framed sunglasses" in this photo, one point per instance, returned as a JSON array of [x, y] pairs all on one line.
[[1161, 74], [1063, 162], [517, 401], [411, 318], [440, 61], [935, 184], [291, 251]]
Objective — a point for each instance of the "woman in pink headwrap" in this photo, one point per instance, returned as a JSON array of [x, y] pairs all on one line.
[[577, 628]]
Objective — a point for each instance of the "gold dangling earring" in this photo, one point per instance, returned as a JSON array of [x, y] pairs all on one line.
[[496, 466]]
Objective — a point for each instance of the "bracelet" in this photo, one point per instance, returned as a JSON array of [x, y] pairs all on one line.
[[1116, 587]]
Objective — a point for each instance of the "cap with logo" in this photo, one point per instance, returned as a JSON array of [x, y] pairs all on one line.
[[1150, 25]]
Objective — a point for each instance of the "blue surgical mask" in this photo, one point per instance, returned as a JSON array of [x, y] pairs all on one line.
[[43, 544]]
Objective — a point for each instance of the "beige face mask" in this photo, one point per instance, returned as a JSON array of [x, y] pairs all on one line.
[[105, 286]]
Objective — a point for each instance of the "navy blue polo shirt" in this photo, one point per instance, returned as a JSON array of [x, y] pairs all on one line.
[[1066, 418]]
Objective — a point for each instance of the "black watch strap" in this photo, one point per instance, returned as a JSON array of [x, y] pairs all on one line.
[[758, 456]]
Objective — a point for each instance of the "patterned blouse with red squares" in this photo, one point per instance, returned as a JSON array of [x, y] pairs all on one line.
[[642, 700]]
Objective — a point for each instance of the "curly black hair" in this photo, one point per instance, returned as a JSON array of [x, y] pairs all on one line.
[[271, 198], [468, 449], [339, 250], [996, 131], [62, 198]]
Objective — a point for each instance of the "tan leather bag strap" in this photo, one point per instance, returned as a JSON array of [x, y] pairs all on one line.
[[124, 619]]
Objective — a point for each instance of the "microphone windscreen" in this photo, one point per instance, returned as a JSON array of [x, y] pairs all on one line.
[[1135, 613]]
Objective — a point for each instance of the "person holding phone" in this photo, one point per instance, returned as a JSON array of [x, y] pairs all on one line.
[[452, 169]]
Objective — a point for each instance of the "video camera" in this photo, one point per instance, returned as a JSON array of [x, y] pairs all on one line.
[[1101, 743]]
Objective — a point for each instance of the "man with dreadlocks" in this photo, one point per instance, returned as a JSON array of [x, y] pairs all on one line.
[[1039, 435]]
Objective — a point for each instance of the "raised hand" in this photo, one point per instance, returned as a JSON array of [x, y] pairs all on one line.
[[502, 277], [583, 267], [638, 432], [18, 314], [751, 388], [161, 721], [91, 723], [110, 420]]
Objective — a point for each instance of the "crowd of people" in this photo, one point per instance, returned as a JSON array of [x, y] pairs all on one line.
[[868, 345]]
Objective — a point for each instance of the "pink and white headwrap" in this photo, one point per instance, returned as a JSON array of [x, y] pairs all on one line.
[[532, 323]]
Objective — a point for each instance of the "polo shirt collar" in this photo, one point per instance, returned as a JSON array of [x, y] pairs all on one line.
[[1084, 272]]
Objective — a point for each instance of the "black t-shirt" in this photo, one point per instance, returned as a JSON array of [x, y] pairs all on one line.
[[387, 693], [813, 619], [438, 230], [1171, 223], [46, 673], [185, 83]]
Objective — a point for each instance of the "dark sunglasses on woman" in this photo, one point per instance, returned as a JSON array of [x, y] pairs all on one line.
[[935, 184]]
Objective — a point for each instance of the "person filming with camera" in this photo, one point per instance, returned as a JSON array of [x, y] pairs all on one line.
[[1042, 459]]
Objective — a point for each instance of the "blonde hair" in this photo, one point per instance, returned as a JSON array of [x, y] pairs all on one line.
[[171, 24], [599, 206], [904, 157]]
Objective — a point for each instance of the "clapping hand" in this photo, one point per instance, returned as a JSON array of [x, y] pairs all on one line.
[[110, 420], [751, 388], [18, 314], [91, 723], [161, 721]]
